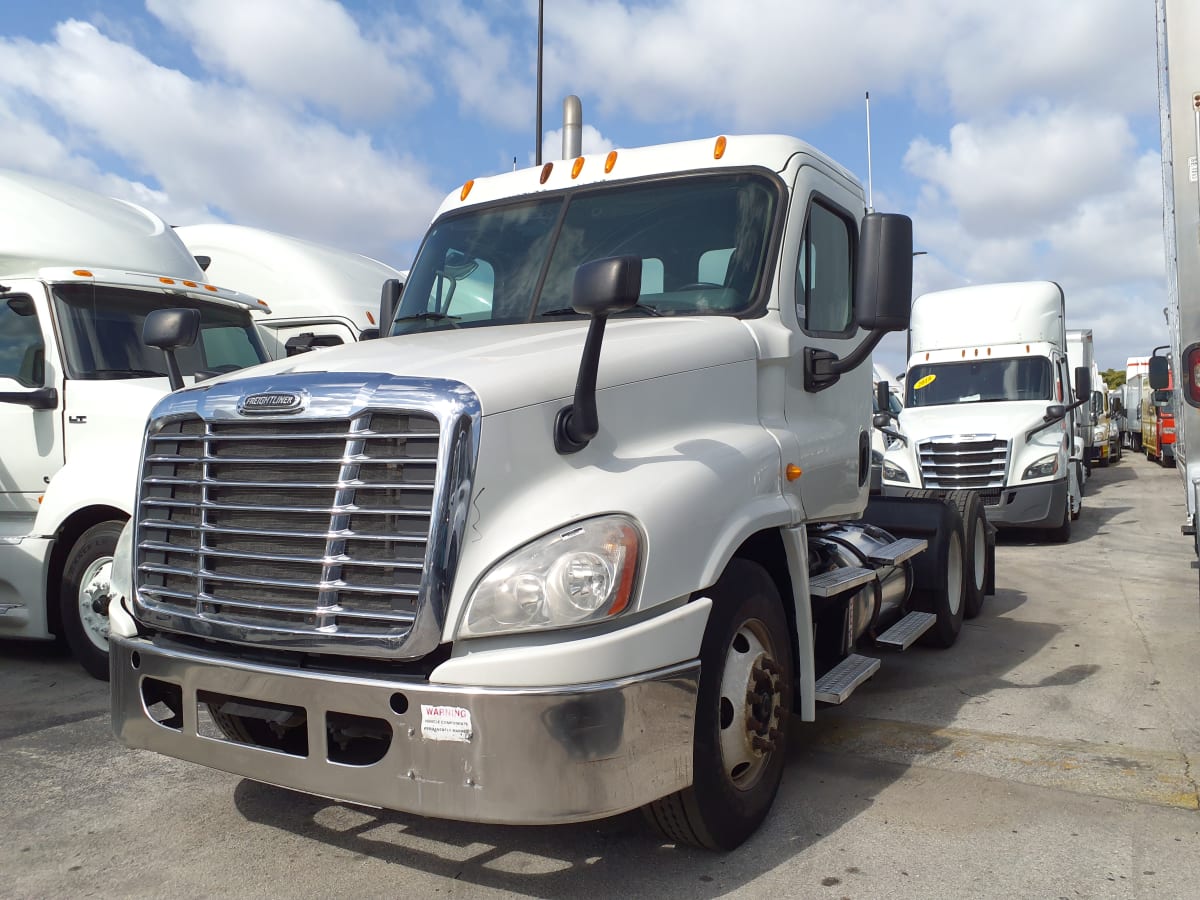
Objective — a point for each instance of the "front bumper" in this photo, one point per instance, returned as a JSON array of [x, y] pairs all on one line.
[[1030, 506], [24, 563], [501, 755]]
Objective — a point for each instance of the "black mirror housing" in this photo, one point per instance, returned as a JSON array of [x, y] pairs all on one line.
[[389, 301], [171, 329], [605, 286], [1083, 383], [883, 286], [1160, 375], [1054, 412]]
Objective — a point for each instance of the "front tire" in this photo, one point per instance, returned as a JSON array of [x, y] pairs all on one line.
[[1062, 533], [742, 711], [84, 595]]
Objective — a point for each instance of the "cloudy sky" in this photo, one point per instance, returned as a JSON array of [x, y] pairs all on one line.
[[1020, 135]]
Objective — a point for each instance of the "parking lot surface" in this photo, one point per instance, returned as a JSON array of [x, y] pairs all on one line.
[[1052, 752]]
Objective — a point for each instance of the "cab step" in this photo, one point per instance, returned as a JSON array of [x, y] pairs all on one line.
[[898, 551], [836, 581], [839, 682], [904, 633]]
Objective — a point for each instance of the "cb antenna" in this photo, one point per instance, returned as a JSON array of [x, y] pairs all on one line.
[[870, 186], [537, 146]]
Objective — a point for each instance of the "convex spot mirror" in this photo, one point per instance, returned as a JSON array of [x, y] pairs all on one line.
[[1159, 373]]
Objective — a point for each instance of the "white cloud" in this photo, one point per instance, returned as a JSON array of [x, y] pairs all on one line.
[[309, 50], [222, 149], [592, 140]]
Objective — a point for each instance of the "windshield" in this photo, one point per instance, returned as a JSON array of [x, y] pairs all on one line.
[[982, 381], [703, 242], [102, 334]]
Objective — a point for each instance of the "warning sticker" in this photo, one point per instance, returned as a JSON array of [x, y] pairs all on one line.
[[925, 382], [445, 723]]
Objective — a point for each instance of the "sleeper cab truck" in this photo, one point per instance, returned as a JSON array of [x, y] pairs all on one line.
[[79, 275], [580, 536]]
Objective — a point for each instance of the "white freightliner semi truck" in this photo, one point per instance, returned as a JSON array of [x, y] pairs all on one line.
[[1179, 116], [988, 404], [578, 538], [320, 296], [79, 274]]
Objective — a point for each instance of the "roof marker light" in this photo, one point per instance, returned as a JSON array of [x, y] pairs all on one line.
[[546, 169], [165, 280], [466, 189], [209, 287], [191, 284], [577, 168], [83, 273], [370, 318], [610, 161], [262, 303], [719, 149]]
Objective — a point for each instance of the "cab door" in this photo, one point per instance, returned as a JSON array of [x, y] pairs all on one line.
[[31, 390], [816, 297]]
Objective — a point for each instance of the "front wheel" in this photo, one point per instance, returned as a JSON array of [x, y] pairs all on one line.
[[742, 710], [84, 595]]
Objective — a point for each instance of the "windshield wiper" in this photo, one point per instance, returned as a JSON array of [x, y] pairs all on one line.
[[107, 374], [568, 311], [426, 317]]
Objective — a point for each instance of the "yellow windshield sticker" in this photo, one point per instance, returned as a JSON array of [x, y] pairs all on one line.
[[924, 382]]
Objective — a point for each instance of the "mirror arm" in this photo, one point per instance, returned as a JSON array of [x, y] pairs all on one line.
[[577, 424], [42, 398], [823, 368], [1040, 428]]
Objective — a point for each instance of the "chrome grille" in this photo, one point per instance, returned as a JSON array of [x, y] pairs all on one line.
[[963, 461], [303, 526]]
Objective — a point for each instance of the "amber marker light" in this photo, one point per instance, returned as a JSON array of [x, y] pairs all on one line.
[[793, 471], [262, 302], [191, 284], [610, 161], [625, 587], [719, 148], [165, 280], [577, 168], [209, 287], [83, 273], [462, 195], [370, 318], [546, 170]]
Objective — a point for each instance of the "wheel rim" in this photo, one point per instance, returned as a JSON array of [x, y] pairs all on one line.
[[980, 555], [750, 705], [94, 589], [954, 575]]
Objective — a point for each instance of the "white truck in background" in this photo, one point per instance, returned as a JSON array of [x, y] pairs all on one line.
[[1136, 370], [988, 404], [320, 296], [79, 274], [1179, 116], [1095, 427], [580, 537]]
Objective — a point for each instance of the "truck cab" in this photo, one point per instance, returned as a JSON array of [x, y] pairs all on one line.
[[1158, 421], [579, 536], [79, 274], [989, 404]]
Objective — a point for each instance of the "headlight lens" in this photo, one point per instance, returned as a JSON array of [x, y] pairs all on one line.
[[1102, 433], [1043, 468], [892, 472], [583, 573]]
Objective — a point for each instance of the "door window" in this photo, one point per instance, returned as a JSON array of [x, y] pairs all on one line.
[[22, 351], [824, 274]]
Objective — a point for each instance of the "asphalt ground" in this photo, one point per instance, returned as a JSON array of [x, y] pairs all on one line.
[[1052, 752]]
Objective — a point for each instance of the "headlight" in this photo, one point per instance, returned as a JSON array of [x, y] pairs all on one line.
[[892, 472], [1043, 468], [1102, 433], [583, 573]]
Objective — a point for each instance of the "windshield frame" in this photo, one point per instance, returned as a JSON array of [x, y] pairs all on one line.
[[65, 329], [755, 307]]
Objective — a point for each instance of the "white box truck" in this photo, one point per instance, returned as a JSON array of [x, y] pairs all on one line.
[[1095, 426], [79, 273], [988, 404], [580, 537], [320, 296]]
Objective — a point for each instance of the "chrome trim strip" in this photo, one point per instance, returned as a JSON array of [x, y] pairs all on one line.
[[533, 755], [331, 396]]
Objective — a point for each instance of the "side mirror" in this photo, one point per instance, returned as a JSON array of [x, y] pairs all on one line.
[[881, 420], [368, 334], [171, 330], [883, 399], [1160, 375], [1054, 413], [389, 300], [1083, 383], [883, 287], [601, 287]]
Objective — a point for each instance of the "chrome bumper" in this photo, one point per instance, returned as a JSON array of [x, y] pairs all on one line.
[[502, 755]]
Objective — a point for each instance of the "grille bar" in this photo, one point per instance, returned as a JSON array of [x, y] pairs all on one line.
[[285, 510], [341, 559], [210, 481]]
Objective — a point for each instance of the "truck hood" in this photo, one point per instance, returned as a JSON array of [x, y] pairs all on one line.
[[511, 366], [1003, 419]]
